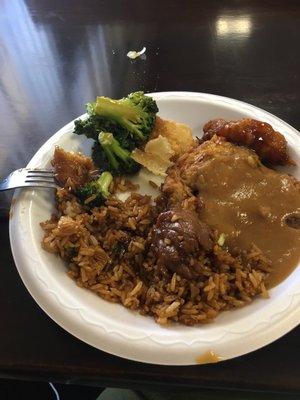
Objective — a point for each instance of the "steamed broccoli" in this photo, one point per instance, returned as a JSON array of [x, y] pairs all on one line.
[[130, 119], [89, 127], [99, 157], [95, 192], [118, 159], [135, 113]]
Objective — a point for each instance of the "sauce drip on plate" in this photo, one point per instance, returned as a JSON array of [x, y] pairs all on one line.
[[209, 357]]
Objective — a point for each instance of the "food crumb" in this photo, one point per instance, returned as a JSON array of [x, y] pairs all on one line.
[[135, 54], [174, 218], [222, 239]]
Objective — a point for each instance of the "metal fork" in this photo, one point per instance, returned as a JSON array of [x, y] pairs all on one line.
[[24, 177]]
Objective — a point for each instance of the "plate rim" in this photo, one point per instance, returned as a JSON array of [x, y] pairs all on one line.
[[277, 330]]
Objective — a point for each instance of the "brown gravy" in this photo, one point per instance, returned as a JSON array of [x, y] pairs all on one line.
[[249, 203]]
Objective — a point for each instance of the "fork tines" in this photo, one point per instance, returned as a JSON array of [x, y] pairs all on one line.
[[38, 172], [40, 176]]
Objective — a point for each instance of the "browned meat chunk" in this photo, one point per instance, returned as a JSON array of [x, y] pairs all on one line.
[[270, 145], [177, 237], [72, 169]]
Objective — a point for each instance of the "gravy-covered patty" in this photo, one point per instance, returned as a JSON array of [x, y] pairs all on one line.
[[241, 198]]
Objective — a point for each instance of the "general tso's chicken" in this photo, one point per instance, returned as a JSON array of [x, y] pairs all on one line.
[[177, 237], [269, 144], [72, 169]]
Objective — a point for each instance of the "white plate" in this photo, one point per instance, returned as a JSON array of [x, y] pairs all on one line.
[[113, 328]]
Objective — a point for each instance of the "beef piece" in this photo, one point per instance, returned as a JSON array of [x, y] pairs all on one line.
[[177, 237]]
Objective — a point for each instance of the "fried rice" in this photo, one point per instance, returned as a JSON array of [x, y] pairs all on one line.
[[106, 250]]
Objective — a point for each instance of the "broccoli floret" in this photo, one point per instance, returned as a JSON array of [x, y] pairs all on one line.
[[93, 125], [130, 119], [135, 113], [99, 157], [119, 160], [95, 192], [88, 127]]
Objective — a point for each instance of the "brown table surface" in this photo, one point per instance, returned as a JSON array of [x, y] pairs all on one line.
[[55, 55]]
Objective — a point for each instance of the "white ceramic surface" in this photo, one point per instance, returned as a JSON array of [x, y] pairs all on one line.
[[111, 327]]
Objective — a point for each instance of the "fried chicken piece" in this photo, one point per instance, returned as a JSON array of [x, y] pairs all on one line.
[[270, 145], [72, 169]]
